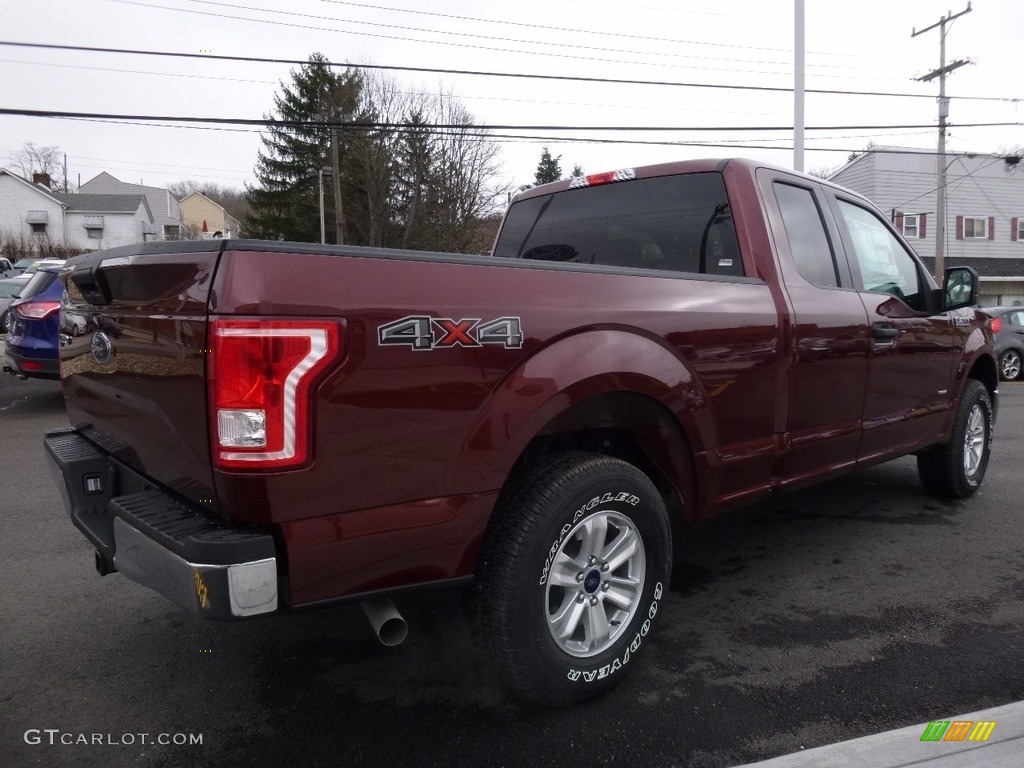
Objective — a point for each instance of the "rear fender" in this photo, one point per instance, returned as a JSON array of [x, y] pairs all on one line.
[[565, 373]]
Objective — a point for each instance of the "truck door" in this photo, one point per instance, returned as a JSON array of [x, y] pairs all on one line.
[[820, 426], [911, 362]]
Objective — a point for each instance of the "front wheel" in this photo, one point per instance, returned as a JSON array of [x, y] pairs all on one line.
[[955, 470], [572, 574], [1010, 365]]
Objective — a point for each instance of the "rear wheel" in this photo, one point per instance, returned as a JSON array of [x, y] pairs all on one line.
[[571, 576], [955, 470], [1010, 365]]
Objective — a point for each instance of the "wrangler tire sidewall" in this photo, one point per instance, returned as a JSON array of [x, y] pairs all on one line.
[[552, 501]]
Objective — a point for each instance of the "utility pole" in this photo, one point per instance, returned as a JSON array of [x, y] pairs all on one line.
[[940, 161], [339, 212]]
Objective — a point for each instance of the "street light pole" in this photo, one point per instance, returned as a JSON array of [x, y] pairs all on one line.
[[323, 231]]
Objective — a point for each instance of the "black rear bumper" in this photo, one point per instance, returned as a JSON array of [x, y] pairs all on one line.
[[192, 557]]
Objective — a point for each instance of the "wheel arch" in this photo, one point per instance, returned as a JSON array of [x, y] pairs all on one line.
[[612, 391]]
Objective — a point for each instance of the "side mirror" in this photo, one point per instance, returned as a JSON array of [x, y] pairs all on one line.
[[959, 288]]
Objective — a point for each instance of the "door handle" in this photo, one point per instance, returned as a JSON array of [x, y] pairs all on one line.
[[885, 332]]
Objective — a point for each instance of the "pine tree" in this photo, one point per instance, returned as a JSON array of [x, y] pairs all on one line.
[[548, 169], [285, 203]]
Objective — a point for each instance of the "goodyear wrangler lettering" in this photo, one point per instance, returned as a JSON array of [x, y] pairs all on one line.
[[589, 676], [608, 498]]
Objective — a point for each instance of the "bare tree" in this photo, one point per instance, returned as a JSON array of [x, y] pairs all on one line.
[[466, 164], [34, 158]]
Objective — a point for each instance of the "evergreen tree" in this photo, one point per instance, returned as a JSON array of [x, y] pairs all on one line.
[[285, 203], [548, 169]]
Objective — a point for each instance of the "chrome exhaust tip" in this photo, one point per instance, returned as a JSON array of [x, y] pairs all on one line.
[[386, 621]]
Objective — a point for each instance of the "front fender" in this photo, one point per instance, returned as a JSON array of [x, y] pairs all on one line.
[[566, 372]]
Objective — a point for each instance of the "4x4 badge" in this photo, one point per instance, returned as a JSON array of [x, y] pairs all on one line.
[[102, 347]]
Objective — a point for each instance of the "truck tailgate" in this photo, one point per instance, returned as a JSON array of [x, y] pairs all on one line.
[[132, 348]]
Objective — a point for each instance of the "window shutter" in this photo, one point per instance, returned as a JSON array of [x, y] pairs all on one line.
[[959, 227], [1014, 223], [922, 222], [991, 227], [899, 222]]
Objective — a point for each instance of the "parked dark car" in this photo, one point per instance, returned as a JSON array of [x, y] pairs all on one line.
[[10, 288], [31, 347], [1008, 333]]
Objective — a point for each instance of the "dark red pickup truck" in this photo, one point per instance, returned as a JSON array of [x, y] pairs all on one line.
[[265, 426]]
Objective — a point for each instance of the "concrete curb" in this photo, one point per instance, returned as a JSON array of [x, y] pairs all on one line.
[[903, 747]]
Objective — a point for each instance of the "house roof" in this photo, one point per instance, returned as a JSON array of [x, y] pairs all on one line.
[[84, 203], [158, 198], [35, 187]]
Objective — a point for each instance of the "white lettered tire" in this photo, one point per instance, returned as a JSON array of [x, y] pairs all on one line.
[[571, 576]]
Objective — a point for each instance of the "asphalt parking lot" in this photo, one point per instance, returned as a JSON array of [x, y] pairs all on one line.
[[855, 607]]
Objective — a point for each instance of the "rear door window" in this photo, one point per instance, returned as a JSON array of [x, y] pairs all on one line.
[[679, 223], [805, 230]]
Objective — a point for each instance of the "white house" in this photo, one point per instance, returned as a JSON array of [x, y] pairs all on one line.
[[90, 222], [984, 210], [29, 209], [164, 205], [106, 221]]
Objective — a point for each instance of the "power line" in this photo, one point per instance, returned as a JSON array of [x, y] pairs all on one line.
[[485, 73], [617, 35], [499, 138], [382, 36], [561, 45], [398, 126]]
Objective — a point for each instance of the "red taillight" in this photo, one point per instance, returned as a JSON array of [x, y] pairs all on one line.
[[261, 375], [31, 365], [37, 310], [996, 324]]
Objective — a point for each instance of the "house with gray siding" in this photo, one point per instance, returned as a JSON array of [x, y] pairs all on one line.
[[984, 210], [162, 204]]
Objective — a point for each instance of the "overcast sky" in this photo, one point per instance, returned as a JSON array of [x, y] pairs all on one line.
[[861, 46]]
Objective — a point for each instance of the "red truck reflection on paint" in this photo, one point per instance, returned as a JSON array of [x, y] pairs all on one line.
[[282, 426]]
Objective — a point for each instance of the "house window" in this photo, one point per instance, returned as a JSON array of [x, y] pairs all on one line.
[[910, 225], [975, 228], [94, 233], [38, 228], [1019, 229]]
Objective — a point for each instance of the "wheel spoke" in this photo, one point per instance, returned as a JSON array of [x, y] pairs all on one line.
[[621, 549], [595, 532], [623, 592], [598, 628], [565, 621], [563, 571]]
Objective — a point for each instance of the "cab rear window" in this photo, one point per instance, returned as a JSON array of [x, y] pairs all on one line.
[[679, 223]]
